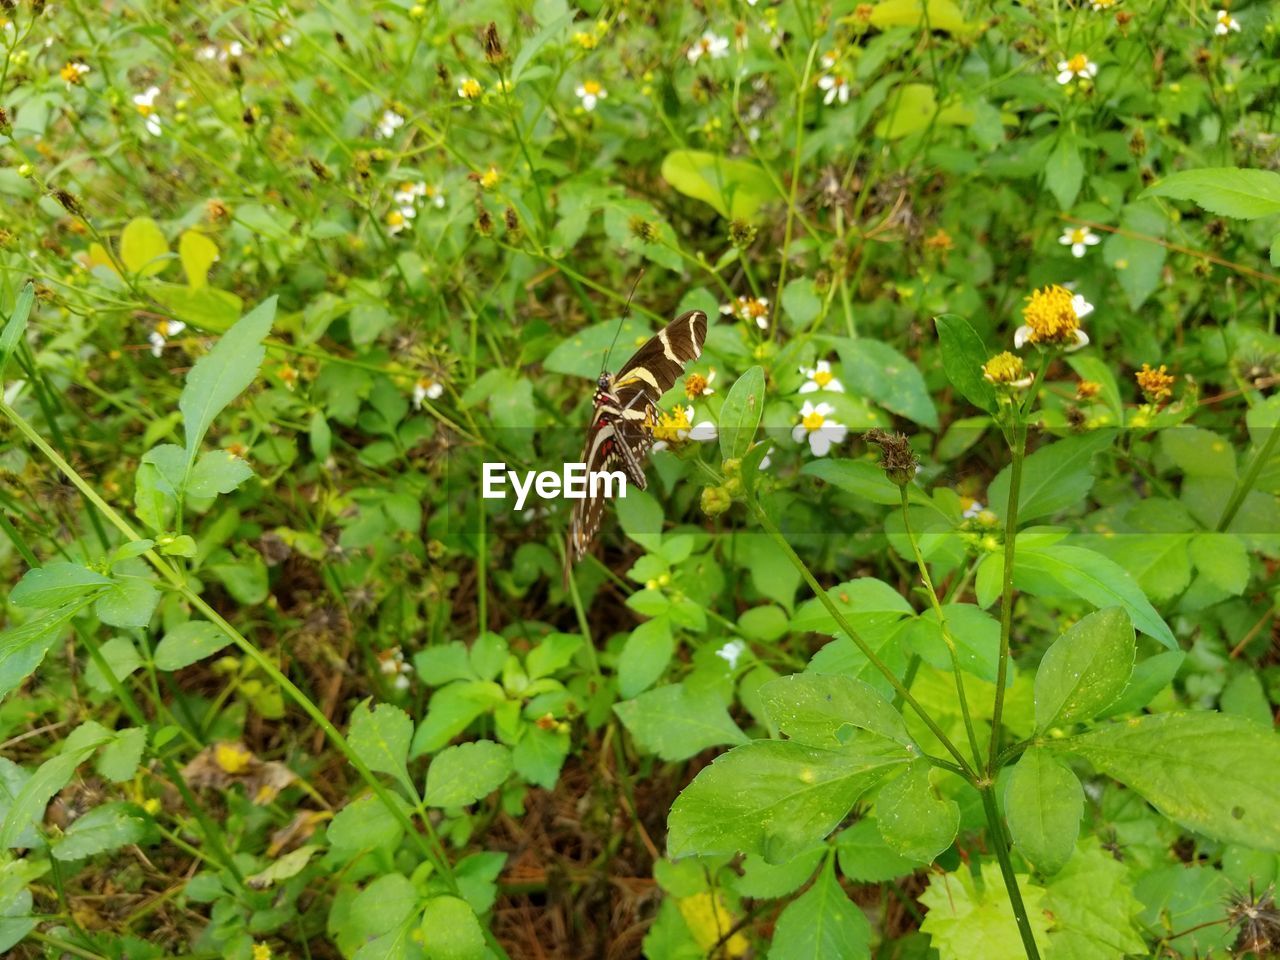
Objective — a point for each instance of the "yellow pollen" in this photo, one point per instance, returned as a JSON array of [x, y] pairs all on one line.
[[471, 88], [395, 218], [813, 421], [1078, 235], [1155, 384], [591, 88], [490, 178], [145, 109], [823, 377], [670, 425], [1077, 63], [1003, 368], [694, 384], [232, 757], [1050, 315]]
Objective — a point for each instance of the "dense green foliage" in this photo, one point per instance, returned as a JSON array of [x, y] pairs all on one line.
[[946, 626]]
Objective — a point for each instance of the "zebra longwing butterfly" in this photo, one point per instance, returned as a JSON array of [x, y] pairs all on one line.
[[626, 406]]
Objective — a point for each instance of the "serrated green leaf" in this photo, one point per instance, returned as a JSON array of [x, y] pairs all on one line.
[[102, 829], [914, 822], [1225, 191], [381, 737], [56, 583], [645, 656], [1054, 478], [822, 923], [1086, 669], [736, 189], [187, 643], [676, 723], [22, 648], [823, 711], [465, 773], [969, 919]]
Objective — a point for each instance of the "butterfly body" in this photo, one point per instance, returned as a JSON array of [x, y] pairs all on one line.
[[625, 410]]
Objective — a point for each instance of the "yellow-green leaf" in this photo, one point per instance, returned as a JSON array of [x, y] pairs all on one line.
[[143, 247], [913, 108], [198, 253], [943, 15], [735, 188]]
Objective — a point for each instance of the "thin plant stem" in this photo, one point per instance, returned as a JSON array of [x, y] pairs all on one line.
[[1245, 484], [996, 829], [947, 637]]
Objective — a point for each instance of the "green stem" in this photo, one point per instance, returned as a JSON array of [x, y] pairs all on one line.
[[843, 622], [996, 829], [1245, 484], [947, 636], [1006, 597]]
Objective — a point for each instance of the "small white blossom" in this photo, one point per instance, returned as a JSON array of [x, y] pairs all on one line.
[[820, 378], [399, 219], [469, 88], [821, 431], [1078, 67], [426, 389], [389, 124], [146, 105], [836, 86], [73, 73], [711, 45], [971, 507], [590, 93], [164, 329], [749, 308], [731, 652], [1226, 24], [1079, 239]]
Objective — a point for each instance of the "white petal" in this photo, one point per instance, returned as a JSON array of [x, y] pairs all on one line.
[[819, 443], [836, 431], [807, 408], [809, 387], [1077, 250], [704, 431], [1066, 238], [825, 409], [1065, 77], [823, 367], [1092, 239], [835, 386], [1021, 336], [1081, 306], [1082, 340]]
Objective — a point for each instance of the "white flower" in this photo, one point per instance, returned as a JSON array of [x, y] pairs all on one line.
[[1226, 24], [731, 652], [1078, 67], [146, 105], [699, 385], [837, 88], [972, 507], [710, 44], [590, 93], [1078, 239], [408, 193], [436, 196], [1082, 309], [389, 124], [827, 61], [469, 88], [391, 663], [426, 389], [821, 378], [73, 73], [164, 329], [398, 220], [704, 432], [749, 308], [821, 431]]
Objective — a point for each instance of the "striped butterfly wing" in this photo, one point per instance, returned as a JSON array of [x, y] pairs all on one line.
[[626, 406]]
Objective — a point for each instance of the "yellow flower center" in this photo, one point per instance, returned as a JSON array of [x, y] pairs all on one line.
[[490, 179], [694, 384], [669, 426], [823, 377], [146, 109], [1087, 389], [1155, 384], [587, 41], [754, 308], [70, 73], [395, 218], [1003, 368], [1078, 235], [591, 88], [1224, 18], [232, 758], [1050, 315], [471, 88], [813, 421], [1077, 63]]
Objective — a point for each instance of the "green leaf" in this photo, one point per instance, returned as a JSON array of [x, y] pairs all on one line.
[[736, 189], [967, 920], [963, 356], [1054, 478], [740, 415], [862, 478], [465, 773], [801, 302], [1136, 255], [1085, 670], [143, 248], [976, 634], [51, 776], [1064, 171], [866, 858], [774, 797], [539, 755], [365, 824], [1212, 773], [129, 602], [645, 656], [217, 471], [121, 658], [822, 923], [223, 373], [825, 711], [879, 372], [56, 583], [289, 865], [586, 352], [677, 723], [15, 327], [1043, 803], [942, 15], [451, 931], [120, 757], [380, 737], [1149, 677], [451, 711], [1223, 560], [1093, 908], [22, 648], [865, 602], [1225, 191], [104, 828], [1056, 569], [914, 822], [764, 880], [188, 642], [198, 253]]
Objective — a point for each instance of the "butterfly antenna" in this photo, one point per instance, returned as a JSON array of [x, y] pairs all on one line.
[[626, 312]]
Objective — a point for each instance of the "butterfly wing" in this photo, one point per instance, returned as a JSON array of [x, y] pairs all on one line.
[[621, 430]]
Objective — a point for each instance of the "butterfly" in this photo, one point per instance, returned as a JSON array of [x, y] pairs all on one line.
[[626, 407]]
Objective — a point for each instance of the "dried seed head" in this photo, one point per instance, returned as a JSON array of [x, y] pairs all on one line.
[[1258, 920], [69, 202], [319, 169], [493, 51], [741, 234], [896, 456]]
